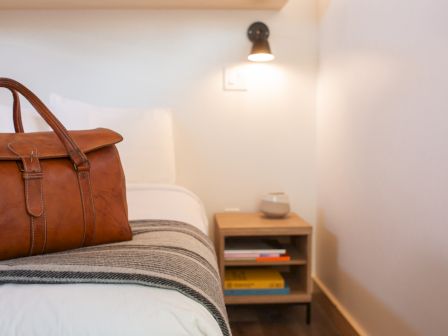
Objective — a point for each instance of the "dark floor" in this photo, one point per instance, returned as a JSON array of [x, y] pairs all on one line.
[[282, 320]]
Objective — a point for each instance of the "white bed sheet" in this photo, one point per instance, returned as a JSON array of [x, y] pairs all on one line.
[[93, 309]]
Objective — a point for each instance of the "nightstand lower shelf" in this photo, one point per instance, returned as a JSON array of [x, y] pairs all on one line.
[[294, 297]]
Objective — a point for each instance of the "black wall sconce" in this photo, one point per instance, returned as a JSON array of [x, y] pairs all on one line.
[[258, 34]]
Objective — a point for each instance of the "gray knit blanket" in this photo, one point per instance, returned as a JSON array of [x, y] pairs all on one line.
[[162, 254]]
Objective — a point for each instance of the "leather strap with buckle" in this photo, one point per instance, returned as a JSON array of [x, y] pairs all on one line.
[[34, 196]]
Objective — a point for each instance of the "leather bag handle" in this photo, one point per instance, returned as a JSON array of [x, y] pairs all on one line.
[[16, 112], [77, 156]]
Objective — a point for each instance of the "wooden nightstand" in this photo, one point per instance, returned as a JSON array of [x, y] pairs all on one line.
[[291, 232]]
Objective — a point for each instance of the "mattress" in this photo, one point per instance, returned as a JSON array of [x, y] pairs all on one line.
[[97, 309]]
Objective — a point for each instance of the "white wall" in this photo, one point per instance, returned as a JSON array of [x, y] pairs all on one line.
[[383, 162], [231, 146]]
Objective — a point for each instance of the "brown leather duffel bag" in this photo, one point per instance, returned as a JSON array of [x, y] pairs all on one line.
[[58, 190]]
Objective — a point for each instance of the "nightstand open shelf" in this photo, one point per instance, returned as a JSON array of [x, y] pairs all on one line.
[[297, 258], [298, 294], [291, 233]]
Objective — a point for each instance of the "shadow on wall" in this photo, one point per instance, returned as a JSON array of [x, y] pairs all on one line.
[[358, 301]]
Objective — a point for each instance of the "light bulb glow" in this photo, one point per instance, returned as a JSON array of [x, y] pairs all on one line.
[[260, 57]]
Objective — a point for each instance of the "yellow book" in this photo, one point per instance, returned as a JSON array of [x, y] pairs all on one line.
[[253, 278]]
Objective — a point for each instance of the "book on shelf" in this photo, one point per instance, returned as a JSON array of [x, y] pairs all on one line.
[[272, 259], [240, 258], [250, 255], [270, 291], [253, 278], [260, 247], [258, 258]]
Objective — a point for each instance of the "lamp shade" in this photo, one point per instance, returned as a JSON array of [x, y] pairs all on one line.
[[261, 52], [258, 34]]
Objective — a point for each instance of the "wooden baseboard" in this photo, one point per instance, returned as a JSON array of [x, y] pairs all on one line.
[[341, 318]]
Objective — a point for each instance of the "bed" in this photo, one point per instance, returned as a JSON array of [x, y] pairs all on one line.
[[164, 282], [117, 309]]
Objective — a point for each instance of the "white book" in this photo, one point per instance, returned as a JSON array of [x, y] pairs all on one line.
[[251, 247]]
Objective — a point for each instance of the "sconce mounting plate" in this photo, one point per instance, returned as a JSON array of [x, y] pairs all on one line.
[[258, 31]]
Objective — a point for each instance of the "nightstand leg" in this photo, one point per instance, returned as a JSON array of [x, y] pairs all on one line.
[[308, 313]]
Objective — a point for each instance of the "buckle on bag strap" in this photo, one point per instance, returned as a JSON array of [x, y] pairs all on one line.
[[32, 175], [83, 166], [34, 198]]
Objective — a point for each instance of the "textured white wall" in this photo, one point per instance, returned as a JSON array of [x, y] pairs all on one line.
[[383, 162], [231, 146]]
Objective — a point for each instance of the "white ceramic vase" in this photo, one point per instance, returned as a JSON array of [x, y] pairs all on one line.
[[275, 205]]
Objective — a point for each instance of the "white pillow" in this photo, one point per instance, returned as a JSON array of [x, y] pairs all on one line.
[[31, 120], [147, 151], [72, 114]]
